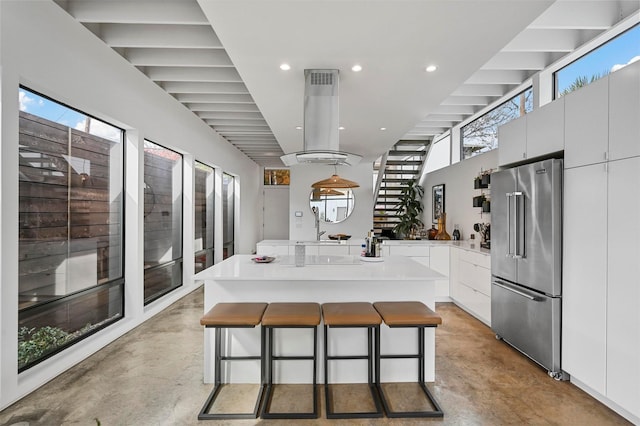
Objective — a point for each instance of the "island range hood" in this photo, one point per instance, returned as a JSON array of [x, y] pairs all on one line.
[[321, 122]]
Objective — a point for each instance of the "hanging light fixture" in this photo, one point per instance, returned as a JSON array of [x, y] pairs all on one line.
[[335, 181]]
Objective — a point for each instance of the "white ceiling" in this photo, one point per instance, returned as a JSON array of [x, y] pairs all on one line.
[[221, 59]]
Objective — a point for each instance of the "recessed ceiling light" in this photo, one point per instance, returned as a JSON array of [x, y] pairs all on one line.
[[356, 68], [341, 128], [298, 127], [431, 68], [383, 128], [285, 67]]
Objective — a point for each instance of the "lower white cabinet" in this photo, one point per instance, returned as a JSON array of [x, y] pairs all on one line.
[[601, 294], [470, 282], [623, 284]]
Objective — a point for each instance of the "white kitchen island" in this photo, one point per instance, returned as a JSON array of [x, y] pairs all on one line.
[[322, 279]]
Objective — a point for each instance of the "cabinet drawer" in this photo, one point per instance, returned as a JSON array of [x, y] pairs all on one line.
[[476, 277], [476, 258], [333, 250], [412, 251], [266, 250], [477, 303]]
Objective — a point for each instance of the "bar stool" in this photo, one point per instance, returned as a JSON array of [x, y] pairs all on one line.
[[408, 315], [225, 316], [282, 316], [351, 315]]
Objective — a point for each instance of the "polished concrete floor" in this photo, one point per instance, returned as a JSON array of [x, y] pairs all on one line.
[[153, 376]]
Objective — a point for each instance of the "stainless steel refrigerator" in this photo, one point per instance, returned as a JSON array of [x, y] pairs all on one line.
[[526, 260]]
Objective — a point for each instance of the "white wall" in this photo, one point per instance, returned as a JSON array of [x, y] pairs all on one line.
[[459, 193], [45, 49], [360, 221]]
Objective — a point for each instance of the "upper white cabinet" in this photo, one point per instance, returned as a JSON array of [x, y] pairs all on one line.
[[512, 141], [624, 112], [545, 127], [587, 124], [535, 134]]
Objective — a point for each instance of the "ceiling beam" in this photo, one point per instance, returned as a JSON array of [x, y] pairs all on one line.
[[511, 77], [236, 122], [222, 107], [550, 40], [455, 109], [160, 36], [203, 87], [480, 90], [594, 14], [246, 129], [522, 60], [216, 98], [178, 57], [467, 100], [228, 114], [201, 74], [137, 12]]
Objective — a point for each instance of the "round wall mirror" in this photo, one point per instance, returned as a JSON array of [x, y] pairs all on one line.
[[334, 204]]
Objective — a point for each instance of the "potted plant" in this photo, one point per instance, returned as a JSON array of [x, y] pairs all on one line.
[[409, 209]]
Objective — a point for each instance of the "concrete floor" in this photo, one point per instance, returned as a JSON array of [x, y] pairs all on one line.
[[153, 376]]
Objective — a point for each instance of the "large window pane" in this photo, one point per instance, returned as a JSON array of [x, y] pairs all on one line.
[[228, 208], [204, 225], [70, 226], [162, 221], [481, 135], [607, 58]]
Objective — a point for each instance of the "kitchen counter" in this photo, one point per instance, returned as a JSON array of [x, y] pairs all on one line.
[[332, 279], [470, 245]]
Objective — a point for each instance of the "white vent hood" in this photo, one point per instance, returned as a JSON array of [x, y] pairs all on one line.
[[321, 122]]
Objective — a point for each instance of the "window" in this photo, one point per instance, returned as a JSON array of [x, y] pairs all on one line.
[[228, 208], [481, 135], [609, 57], [162, 221], [204, 205], [70, 227]]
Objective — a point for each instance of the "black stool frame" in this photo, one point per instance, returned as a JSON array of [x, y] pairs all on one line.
[[265, 414], [437, 412], [372, 372], [204, 415]]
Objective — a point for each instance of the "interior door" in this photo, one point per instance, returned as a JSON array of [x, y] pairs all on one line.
[[503, 186], [275, 213]]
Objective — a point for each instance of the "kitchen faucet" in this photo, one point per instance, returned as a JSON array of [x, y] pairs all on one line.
[[316, 212]]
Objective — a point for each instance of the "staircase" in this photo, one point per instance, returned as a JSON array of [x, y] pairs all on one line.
[[405, 161]]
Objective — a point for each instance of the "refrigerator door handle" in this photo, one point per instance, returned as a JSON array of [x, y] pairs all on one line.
[[518, 292], [518, 226], [509, 198]]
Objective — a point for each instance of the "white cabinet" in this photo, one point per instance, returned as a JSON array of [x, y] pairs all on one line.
[[272, 249], [538, 133], [470, 280], [623, 290], [545, 129], [624, 112], [587, 124], [439, 261], [585, 275], [512, 141], [601, 295]]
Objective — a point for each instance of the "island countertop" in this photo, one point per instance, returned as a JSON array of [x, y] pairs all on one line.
[[332, 278], [319, 268]]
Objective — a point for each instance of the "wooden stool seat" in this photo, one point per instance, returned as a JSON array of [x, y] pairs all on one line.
[[234, 314], [291, 314], [403, 314], [350, 313]]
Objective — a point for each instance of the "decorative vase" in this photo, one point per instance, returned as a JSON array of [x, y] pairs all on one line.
[[442, 228], [431, 234]]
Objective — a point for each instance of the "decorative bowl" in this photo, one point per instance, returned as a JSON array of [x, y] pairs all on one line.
[[263, 259], [339, 237]]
